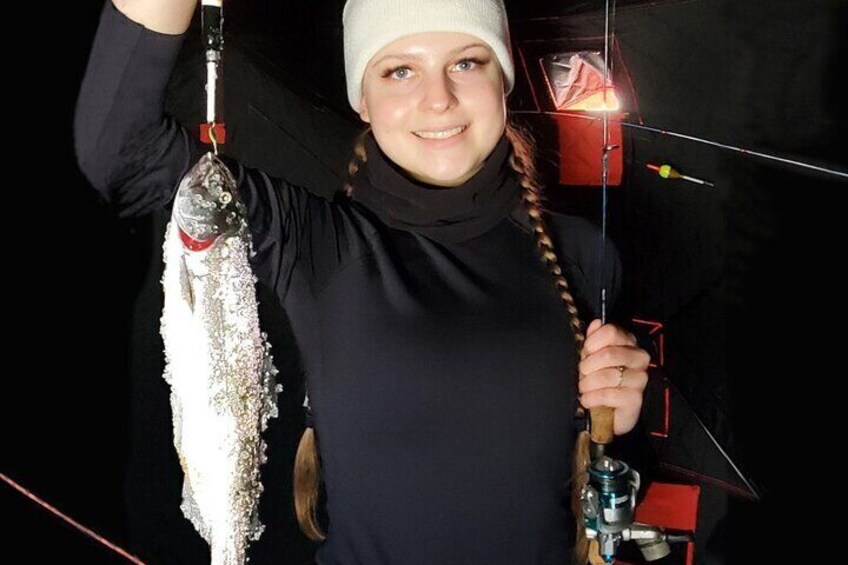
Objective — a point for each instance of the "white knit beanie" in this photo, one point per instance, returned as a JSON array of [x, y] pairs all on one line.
[[370, 25]]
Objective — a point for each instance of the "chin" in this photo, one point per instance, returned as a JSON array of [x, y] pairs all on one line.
[[450, 177], [446, 179]]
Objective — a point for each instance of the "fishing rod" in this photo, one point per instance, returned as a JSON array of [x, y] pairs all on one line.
[[208, 204], [702, 140], [608, 500]]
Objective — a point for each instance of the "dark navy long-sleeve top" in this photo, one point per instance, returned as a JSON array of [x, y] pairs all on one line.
[[441, 375]]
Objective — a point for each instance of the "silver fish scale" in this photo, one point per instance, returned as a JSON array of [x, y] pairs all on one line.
[[219, 366]]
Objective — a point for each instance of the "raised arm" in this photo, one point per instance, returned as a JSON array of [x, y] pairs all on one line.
[[129, 150], [135, 155], [165, 16]]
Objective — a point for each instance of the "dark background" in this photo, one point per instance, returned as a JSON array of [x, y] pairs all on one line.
[[744, 277]]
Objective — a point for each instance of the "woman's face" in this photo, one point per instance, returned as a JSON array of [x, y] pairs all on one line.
[[420, 90]]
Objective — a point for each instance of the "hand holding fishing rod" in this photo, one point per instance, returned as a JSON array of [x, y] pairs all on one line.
[[613, 374], [613, 377]]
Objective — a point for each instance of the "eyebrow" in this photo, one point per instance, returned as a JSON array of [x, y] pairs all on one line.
[[408, 57]]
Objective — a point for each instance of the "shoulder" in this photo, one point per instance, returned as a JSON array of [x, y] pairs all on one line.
[[590, 261], [576, 238]]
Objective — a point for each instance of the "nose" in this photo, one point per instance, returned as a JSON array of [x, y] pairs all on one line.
[[438, 93]]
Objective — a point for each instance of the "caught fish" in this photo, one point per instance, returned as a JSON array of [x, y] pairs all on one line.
[[218, 362]]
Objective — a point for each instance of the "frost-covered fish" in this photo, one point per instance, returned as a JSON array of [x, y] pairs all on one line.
[[218, 363]]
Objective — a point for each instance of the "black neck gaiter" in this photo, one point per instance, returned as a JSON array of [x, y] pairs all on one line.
[[445, 214]]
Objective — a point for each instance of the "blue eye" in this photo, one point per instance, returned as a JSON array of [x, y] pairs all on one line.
[[402, 72], [394, 70], [476, 62]]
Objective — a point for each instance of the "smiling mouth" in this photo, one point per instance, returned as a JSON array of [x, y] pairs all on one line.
[[441, 134]]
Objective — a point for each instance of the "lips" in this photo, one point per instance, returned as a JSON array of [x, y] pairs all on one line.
[[441, 133]]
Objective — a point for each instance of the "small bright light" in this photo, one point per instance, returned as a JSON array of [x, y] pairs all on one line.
[[595, 103], [576, 82]]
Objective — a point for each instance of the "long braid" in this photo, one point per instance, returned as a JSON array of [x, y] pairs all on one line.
[[305, 483], [522, 162]]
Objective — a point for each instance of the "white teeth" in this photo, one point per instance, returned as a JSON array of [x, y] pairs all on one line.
[[440, 134]]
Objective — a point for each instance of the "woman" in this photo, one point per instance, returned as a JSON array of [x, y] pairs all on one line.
[[442, 356]]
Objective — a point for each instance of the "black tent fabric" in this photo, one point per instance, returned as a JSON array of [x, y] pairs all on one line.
[[738, 274]]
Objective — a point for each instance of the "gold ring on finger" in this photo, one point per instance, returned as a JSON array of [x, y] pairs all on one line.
[[621, 369]]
